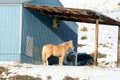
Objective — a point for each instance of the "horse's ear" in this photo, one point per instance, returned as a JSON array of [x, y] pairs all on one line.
[[71, 41]]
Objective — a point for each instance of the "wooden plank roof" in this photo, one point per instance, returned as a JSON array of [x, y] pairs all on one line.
[[72, 14]]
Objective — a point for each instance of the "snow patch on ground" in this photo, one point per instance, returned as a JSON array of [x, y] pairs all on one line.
[[59, 72]]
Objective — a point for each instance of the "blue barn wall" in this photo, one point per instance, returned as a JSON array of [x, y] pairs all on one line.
[[37, 30], [39, 27], [47, 2], [68, 25], [9, 32], [24, 32], [14, 1], [35, 26]]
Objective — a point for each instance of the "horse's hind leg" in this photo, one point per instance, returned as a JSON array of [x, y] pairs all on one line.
[[46, 60]]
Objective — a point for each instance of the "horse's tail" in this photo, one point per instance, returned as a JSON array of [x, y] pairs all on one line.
[[43, 55]]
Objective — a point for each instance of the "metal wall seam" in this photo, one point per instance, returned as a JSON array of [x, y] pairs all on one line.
[[20, 34]]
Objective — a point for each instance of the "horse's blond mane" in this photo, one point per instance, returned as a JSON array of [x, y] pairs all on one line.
[[68, 42]]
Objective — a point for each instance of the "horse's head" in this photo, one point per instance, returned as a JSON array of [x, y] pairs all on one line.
[[69, 56], [70, 44]]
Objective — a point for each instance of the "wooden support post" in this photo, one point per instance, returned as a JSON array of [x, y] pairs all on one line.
[[118, 51], [96, 42]]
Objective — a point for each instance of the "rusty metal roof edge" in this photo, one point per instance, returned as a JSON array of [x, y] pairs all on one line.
[[93, 13], [108, 18]]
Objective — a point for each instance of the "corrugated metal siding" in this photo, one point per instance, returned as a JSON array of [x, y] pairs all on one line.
[[13, 1], [47, 2], [36, 25], [68, 31], [39, 27], [9, 32]]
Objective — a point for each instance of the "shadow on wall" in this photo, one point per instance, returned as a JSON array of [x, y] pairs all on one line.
[[66, 31], [40, 28]]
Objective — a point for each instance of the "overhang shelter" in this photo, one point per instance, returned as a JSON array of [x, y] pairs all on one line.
[[77, 15]]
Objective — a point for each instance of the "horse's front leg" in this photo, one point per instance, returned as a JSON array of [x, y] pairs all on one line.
[[61, 60]]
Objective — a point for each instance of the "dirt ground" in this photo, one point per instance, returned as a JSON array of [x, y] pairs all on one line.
[[22, 71], [27, 77]]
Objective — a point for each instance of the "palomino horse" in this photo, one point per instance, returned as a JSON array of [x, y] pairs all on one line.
[[59, 50]]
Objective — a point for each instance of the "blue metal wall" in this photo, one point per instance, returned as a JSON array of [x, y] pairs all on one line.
[[36, 27], [37, 30], [9, 32], [47, 2], [13, 1], [39, 27]]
